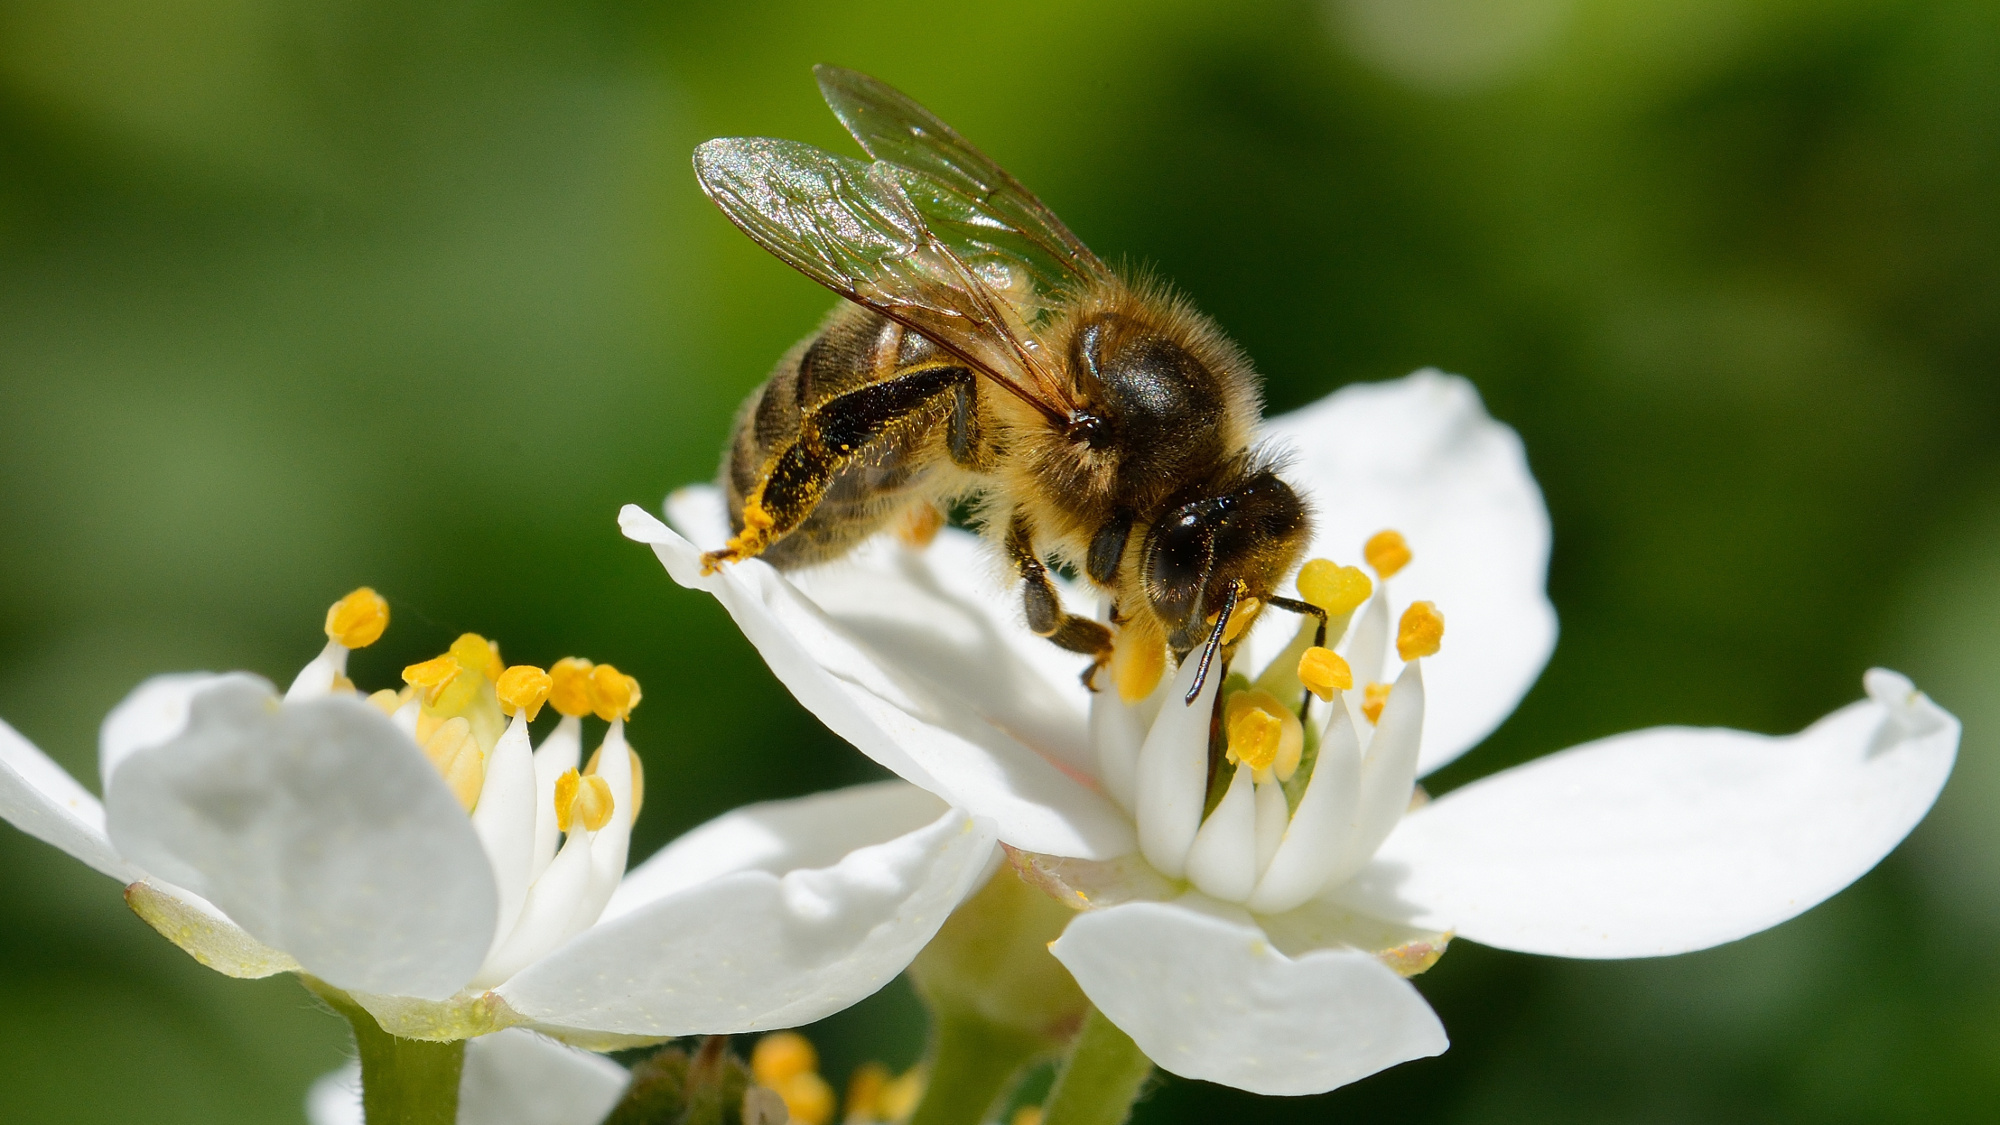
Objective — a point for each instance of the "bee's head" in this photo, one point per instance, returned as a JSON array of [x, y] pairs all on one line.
[[1254, 533]]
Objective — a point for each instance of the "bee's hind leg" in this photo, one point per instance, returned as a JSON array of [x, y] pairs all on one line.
[[1044, 607]]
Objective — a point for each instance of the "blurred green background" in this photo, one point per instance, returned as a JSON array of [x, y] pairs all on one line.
[[296, 296]]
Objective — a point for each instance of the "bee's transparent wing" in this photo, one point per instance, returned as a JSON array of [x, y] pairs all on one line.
[[853, 227], [969, 201]]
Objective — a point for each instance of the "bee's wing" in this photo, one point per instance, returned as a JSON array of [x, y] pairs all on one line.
[[852, 227], [968, 199]]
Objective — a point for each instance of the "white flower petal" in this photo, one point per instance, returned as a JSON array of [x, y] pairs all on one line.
[[892, 701], [516, 1077], [1173, 772], [1667, 840], [753, 950], [1315, 844], [154, 712], [40, 798], [779, 836], [512, 1077], [319, 829], [1209, 997], [1422, 456], [1222, 861]]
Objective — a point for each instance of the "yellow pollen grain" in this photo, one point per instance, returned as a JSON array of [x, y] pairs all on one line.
[[781, 1055], [477, 654], [458, 759], [566, 786], [1421, 632], [1387, 552], [593, 804], [357, 620], [569, 693], [1241, 620], [522, 688], [1374, 697], [613, 694], [1334, 588], [1323, 672], [1263, 734], [1138, 658], [432, 676], [386, 701]]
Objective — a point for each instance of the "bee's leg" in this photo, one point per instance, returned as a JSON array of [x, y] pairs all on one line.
[[1044, 608], [832, 436]]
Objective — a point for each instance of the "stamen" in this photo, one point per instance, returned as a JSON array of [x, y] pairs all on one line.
[[1374, 697], [786, 1062], [638, 775], [569, 693], [523, 688], [566, 787], [1387, 552], [1138, 658], [477, 654], [1324, 672], [613, 694], [1334, 588], [432, 676], [592, 805], [357, 620], [458, 759], [864, 1092], [1263, 734], [1421, 632], [1244, 617]]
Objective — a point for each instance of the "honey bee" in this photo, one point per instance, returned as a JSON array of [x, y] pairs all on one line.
[[983, 352]]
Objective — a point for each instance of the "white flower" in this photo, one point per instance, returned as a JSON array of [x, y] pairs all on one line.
[[513, 1077], [404, 849], [1261, 947]]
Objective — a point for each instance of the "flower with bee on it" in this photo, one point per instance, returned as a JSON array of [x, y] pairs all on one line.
[[1255, 871], [413, 853]]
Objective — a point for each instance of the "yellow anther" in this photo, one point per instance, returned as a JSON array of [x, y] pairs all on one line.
[[567, 784], [524, 688], [1027, 1115], [613, 694], [1241, 620], [1323, 672], [386, 701], [900, 1097], [638, 775], [1421, 632], [1334, 588], [570, 692], [342, 685], [781, 1055], [357, 620], [1138, 658], [432, 676], [1387, 552], [865, 1088], [1263, 734], [807, 1097], [458, 759], [475, 653], [1374, 697]]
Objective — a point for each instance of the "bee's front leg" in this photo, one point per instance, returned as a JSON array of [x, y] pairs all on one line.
[[1044, 607]]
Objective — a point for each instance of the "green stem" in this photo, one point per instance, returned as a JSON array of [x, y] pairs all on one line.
[[1102, 1078], [972, 1064], [403, 1081]]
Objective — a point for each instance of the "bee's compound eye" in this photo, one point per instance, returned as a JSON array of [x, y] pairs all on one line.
[[1180, 551]]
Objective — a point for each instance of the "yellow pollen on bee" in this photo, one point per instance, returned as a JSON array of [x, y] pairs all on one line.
[[458, 759], [1324, 672], [1334, 588], [475, 653], [386, 701], [432, 676], [569, 691], [613, 694], [357, 620], [1387, 552], [1138, 658], [523, 688], [1421, 632], [1263, 734], [638, 775], [1374, 697]]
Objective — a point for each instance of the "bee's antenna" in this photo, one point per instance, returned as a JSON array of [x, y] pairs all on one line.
[[1214, 639]]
